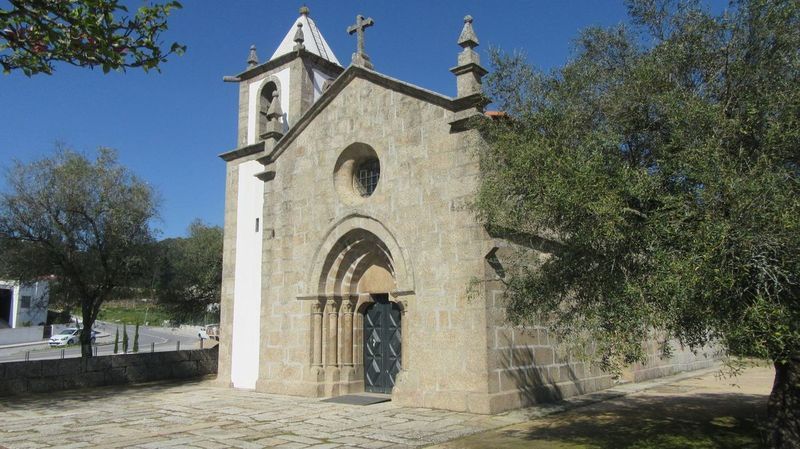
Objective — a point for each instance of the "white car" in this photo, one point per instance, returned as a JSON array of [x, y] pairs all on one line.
[[68, 336]]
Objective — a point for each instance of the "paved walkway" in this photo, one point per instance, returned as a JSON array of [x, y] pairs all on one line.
[[201, 415]]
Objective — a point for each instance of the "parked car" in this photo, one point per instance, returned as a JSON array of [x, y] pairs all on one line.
[[210, 331], [68, 336]]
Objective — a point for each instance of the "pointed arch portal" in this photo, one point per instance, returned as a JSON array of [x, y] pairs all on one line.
[[358, 270]]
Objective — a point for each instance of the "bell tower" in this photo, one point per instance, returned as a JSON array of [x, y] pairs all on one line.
[[274, 94]]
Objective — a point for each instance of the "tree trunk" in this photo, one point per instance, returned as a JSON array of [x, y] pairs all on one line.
[[86, 339], [783, 409], [86, 349]]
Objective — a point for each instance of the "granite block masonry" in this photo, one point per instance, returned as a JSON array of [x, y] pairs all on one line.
[[350, 249]]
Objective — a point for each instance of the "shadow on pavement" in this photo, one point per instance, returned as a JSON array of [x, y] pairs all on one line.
[[717, 420]]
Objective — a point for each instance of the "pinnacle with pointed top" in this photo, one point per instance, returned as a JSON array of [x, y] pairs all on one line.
[[274, 115], [468, 72], [468, 37], [252, 58], [313, 41], [299, 38]]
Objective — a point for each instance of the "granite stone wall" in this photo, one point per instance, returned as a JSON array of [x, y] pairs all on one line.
[[530, 365], [41, 376]]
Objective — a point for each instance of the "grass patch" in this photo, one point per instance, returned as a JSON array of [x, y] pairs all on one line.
[[132, 314]]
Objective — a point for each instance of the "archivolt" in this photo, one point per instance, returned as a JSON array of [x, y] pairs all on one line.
[[351, 248]]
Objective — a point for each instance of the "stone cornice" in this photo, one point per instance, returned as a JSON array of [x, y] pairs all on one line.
[[285, 59], [242, 151]]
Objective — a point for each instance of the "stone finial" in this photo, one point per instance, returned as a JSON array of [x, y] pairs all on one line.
[[468, 41], [360, 56], [274, 115], [304, 10], [468, 37], [274, 110], [299, 38], [252, 58], [468, 72]]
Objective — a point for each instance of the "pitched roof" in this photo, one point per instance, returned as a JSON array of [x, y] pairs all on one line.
[[313, 40]]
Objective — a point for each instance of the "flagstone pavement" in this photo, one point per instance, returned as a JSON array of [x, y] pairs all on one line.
[[202, 415]]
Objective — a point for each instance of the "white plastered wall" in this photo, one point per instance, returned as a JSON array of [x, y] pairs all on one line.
[[37, 312], [319, 81], [254, 90], [247, 283]]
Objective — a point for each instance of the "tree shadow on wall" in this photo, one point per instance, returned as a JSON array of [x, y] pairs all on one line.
[[538, 379]]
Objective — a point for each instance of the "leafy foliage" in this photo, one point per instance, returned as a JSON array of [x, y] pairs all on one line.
[[125, 338], [136, 339], [189, 273], [86, 33], [662, 162], [86, 222]]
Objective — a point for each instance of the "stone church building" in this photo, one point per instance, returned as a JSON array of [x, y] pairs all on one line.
[[350, 253]]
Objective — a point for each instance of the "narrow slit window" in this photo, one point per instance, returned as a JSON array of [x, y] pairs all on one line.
[[257, 224]]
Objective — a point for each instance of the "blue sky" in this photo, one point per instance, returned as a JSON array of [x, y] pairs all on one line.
[[169, 127]]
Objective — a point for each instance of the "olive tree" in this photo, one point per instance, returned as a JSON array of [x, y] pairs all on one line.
[[87, 222], [661, 163]]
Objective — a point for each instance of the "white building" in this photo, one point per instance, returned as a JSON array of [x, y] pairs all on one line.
[[23, 305]]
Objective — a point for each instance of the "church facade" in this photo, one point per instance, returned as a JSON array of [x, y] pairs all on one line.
[[352, 262]]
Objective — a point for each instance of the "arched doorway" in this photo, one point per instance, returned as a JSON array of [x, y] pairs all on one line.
[[356, 318], [382, 344]]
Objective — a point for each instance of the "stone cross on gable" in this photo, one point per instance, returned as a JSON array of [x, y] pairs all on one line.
[[360, 57]]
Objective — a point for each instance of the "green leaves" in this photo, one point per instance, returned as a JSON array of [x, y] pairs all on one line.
[[189, 273], [84, 33], [85, 221], [668, 175]]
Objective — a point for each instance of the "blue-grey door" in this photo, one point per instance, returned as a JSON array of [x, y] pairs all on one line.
[[381, 345]]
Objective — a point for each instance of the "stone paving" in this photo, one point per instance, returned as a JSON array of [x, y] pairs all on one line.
[[202, 415]]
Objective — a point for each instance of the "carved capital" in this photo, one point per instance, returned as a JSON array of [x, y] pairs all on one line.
[[332, 306], [347, 307], [403, 305]]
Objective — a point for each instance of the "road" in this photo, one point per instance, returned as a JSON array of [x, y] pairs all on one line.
[[150, 338]]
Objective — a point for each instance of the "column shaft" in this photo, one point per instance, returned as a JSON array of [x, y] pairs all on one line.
[[347, 336], [333, 328], [316, 331]]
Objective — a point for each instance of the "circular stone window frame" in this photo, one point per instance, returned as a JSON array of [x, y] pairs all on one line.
[[345, 176]]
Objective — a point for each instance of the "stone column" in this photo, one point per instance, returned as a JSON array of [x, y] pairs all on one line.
[[316, 332], [347, 332], [333, 328]]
